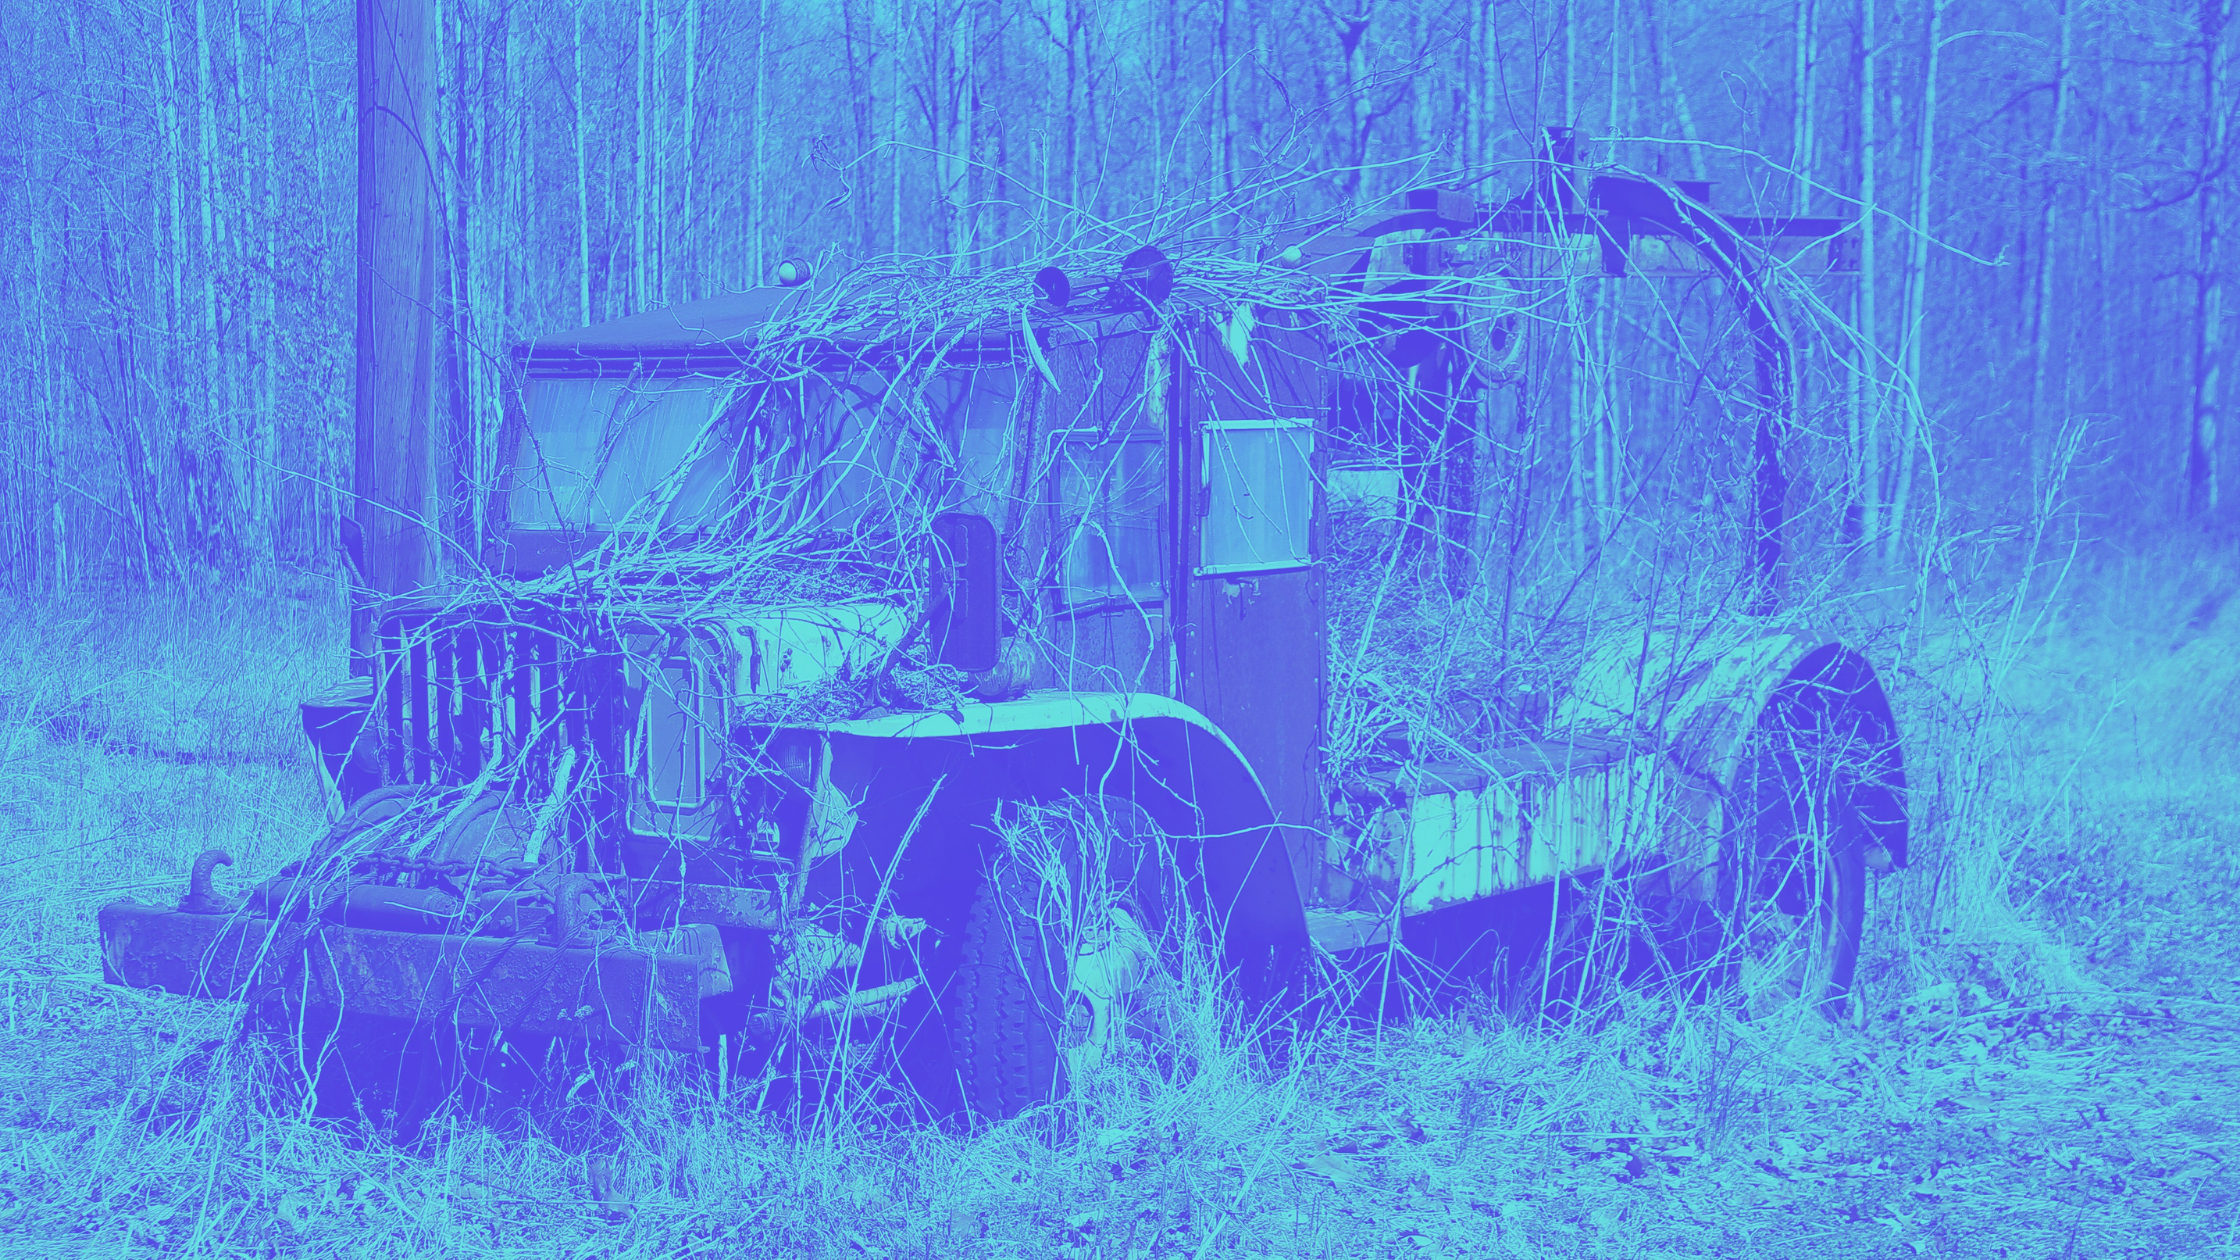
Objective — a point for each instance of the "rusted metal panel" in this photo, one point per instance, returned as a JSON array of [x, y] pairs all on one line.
[[1251, 645], [1517, 816], [1461, 845], [603, 993], [194, 955], [1591, 819]]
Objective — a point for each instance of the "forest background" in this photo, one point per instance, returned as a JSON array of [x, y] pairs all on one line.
[[2043, 281]]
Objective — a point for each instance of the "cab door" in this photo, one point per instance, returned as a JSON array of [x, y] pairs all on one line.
[[1250, 396]]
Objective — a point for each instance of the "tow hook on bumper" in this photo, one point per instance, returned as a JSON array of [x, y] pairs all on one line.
[[604, 992]]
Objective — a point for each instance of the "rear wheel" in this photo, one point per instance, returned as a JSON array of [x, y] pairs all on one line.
[[1793, 882], [1796, 921], [1785, 924], [1061, 932]]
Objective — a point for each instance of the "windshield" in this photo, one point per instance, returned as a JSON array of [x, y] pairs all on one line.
[[856, 452], [974, 414], [600, 454]]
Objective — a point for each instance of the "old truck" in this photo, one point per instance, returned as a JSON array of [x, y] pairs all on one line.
[[850, 655]]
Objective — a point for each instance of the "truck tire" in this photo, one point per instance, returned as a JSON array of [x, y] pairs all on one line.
[[1793, 883], [1006, 1009], [1035, 996], [1786, 924], [1795, 920]]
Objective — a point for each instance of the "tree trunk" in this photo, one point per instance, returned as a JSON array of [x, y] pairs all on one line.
[[583, 170], [1800, 145], [1668, 75], [691, 146], [2049, 382], [641, 161], [2208, 343], [1917, 286], [758, 168], [1225, 112], [398, 398], [1865, 416], [955, 147]]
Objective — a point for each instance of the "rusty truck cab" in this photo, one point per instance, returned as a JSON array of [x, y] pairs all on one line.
[[1153, 484]]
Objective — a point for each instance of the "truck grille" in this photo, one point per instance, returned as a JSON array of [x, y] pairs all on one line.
[[459, 696]]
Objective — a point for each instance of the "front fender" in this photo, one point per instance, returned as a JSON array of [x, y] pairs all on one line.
[[1155, 750]]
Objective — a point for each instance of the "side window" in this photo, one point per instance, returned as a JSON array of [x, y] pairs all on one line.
[[1257, 495], [1109, 492]]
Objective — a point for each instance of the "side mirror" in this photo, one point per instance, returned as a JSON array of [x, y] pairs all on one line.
[[964, 615]]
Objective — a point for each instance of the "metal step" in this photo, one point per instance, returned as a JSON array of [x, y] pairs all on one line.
[[1340, 930]]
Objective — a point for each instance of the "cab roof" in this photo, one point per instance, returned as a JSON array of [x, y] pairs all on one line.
[[716, 335], [857, 316]]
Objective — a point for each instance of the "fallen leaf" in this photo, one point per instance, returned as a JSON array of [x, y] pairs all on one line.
[[295, 1208], [1335, 1167]]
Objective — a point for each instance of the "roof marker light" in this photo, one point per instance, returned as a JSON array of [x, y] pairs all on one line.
[[1056, 288]]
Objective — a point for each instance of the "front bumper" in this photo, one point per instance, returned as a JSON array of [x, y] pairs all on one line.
[[601, 993]]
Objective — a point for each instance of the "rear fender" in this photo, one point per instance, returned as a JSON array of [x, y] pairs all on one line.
[[1699, 695]]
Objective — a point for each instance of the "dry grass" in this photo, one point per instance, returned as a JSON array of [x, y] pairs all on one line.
[[2046, 1067]]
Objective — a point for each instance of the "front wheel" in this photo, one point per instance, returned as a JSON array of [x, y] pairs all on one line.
[[1060, 935]]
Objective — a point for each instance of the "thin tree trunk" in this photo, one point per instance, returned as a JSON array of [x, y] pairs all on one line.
[[1225, 106], [265, 445], [1917, 284], [206, 508], [641, 160], [758, 170], [1570, 20], [1354, 41], [583, 173], [1866, 426], [1423, 123], [1076, 106], [862, 102], [1800, 146], [691, 148], [956, 146], [2048, 383], [1606, 457], [897, 97], [1668, 75], [2208, 344], [1477, 72]]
